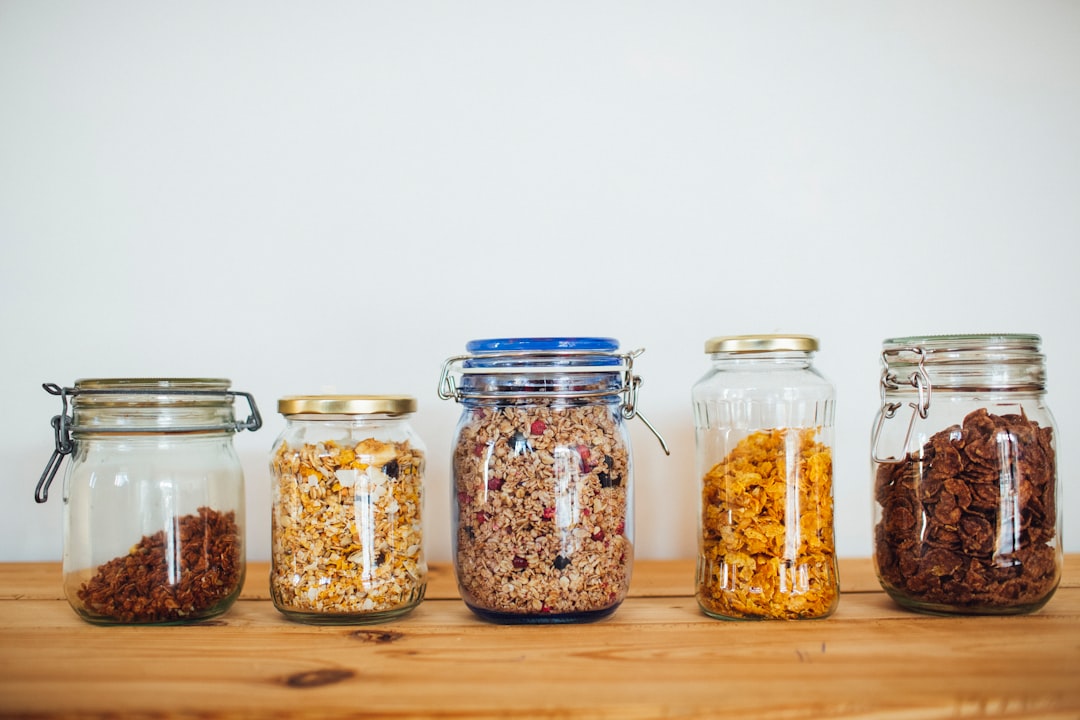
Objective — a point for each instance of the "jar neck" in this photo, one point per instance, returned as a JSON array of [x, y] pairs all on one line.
[[763, 361], [132, 406]]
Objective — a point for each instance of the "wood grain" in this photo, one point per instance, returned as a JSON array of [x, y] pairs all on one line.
[[657, 656]]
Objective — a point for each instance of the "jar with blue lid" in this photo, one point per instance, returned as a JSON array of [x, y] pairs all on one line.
[[542, 474]]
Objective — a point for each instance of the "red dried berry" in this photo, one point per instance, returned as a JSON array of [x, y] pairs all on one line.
[[463, 498], [549, 513], [597, 534], [584, 453], [621, 528], [495, 483], [538, 427], [520, 563], [478, 449], [482, 517]]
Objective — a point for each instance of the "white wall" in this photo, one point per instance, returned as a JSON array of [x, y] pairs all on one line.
[[299, 196]]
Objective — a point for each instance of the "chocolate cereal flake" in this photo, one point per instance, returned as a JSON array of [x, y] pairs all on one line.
[[969, 524]]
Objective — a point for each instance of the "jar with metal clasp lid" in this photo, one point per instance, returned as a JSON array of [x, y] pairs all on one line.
[[542, 475], [963, 451], [347, 540], [153, 498], [764, 423]]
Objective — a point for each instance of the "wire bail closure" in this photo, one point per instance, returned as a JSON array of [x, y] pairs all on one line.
[[448, 388], [64, 423], [918, 379]]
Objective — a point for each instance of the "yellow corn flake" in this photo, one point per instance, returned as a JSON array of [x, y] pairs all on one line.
[[767, 548]]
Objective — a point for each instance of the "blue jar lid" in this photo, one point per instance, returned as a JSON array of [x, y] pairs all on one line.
[[591, 350]]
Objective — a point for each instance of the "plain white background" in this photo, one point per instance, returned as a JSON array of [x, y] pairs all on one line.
[[340, 195]]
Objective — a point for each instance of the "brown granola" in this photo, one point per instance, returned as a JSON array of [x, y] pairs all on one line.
[[193, 574], [542, 507]]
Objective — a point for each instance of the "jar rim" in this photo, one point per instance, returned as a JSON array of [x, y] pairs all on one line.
[[767, 343], [964, 341], [346, 405]]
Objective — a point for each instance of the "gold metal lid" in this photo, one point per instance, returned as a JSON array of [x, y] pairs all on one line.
[[761, 343], [347, 405]]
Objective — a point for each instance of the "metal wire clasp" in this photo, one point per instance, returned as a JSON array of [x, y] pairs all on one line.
[[920, 380], [449, 390], [631, 383], [63, 423]]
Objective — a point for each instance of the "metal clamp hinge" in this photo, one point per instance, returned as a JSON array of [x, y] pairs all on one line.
[[63, 422], [920, 380]]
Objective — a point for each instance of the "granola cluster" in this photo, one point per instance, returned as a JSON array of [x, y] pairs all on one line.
[[346, 531], [193, 574], [542, 506], [767, 547], [969, 523]]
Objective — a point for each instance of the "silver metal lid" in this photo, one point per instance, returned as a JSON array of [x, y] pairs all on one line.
[[761, 344], [347, 405]]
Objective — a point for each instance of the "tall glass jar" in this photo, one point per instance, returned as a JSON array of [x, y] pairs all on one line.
[[542, 473], [764, 424], [347, 538], [153, 498], [966, 513]]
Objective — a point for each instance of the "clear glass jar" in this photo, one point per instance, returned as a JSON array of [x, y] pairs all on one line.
[[153, 498], [764, 436], [542, 474], [347, 538], [966, 513]]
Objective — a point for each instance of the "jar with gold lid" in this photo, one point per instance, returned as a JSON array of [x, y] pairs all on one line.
[[347, 537], [764, 437]]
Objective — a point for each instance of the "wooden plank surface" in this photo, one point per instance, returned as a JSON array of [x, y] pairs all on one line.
[[657, 656]]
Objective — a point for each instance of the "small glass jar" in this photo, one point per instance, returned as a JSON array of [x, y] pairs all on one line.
[[764, 424], [966, 513], [542, 505], [347, 538], [153, 498]]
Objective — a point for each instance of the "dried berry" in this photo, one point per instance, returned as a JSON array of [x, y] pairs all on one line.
[[538, 427], [561, 562], [495, 483], [391, 469], [519, 562]]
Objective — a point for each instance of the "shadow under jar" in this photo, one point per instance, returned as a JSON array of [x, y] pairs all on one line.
[[153, 498], [542, 506], [966, 514]]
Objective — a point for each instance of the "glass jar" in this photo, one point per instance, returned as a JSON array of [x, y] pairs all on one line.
[[542, 505], [153, 498], [966, 513], [347, 540], [764, 436]]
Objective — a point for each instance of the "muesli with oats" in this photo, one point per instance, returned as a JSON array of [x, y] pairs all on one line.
[[346, 535], [542, 506]]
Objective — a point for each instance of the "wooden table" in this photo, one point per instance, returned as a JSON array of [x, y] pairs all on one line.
[[657, 656]]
